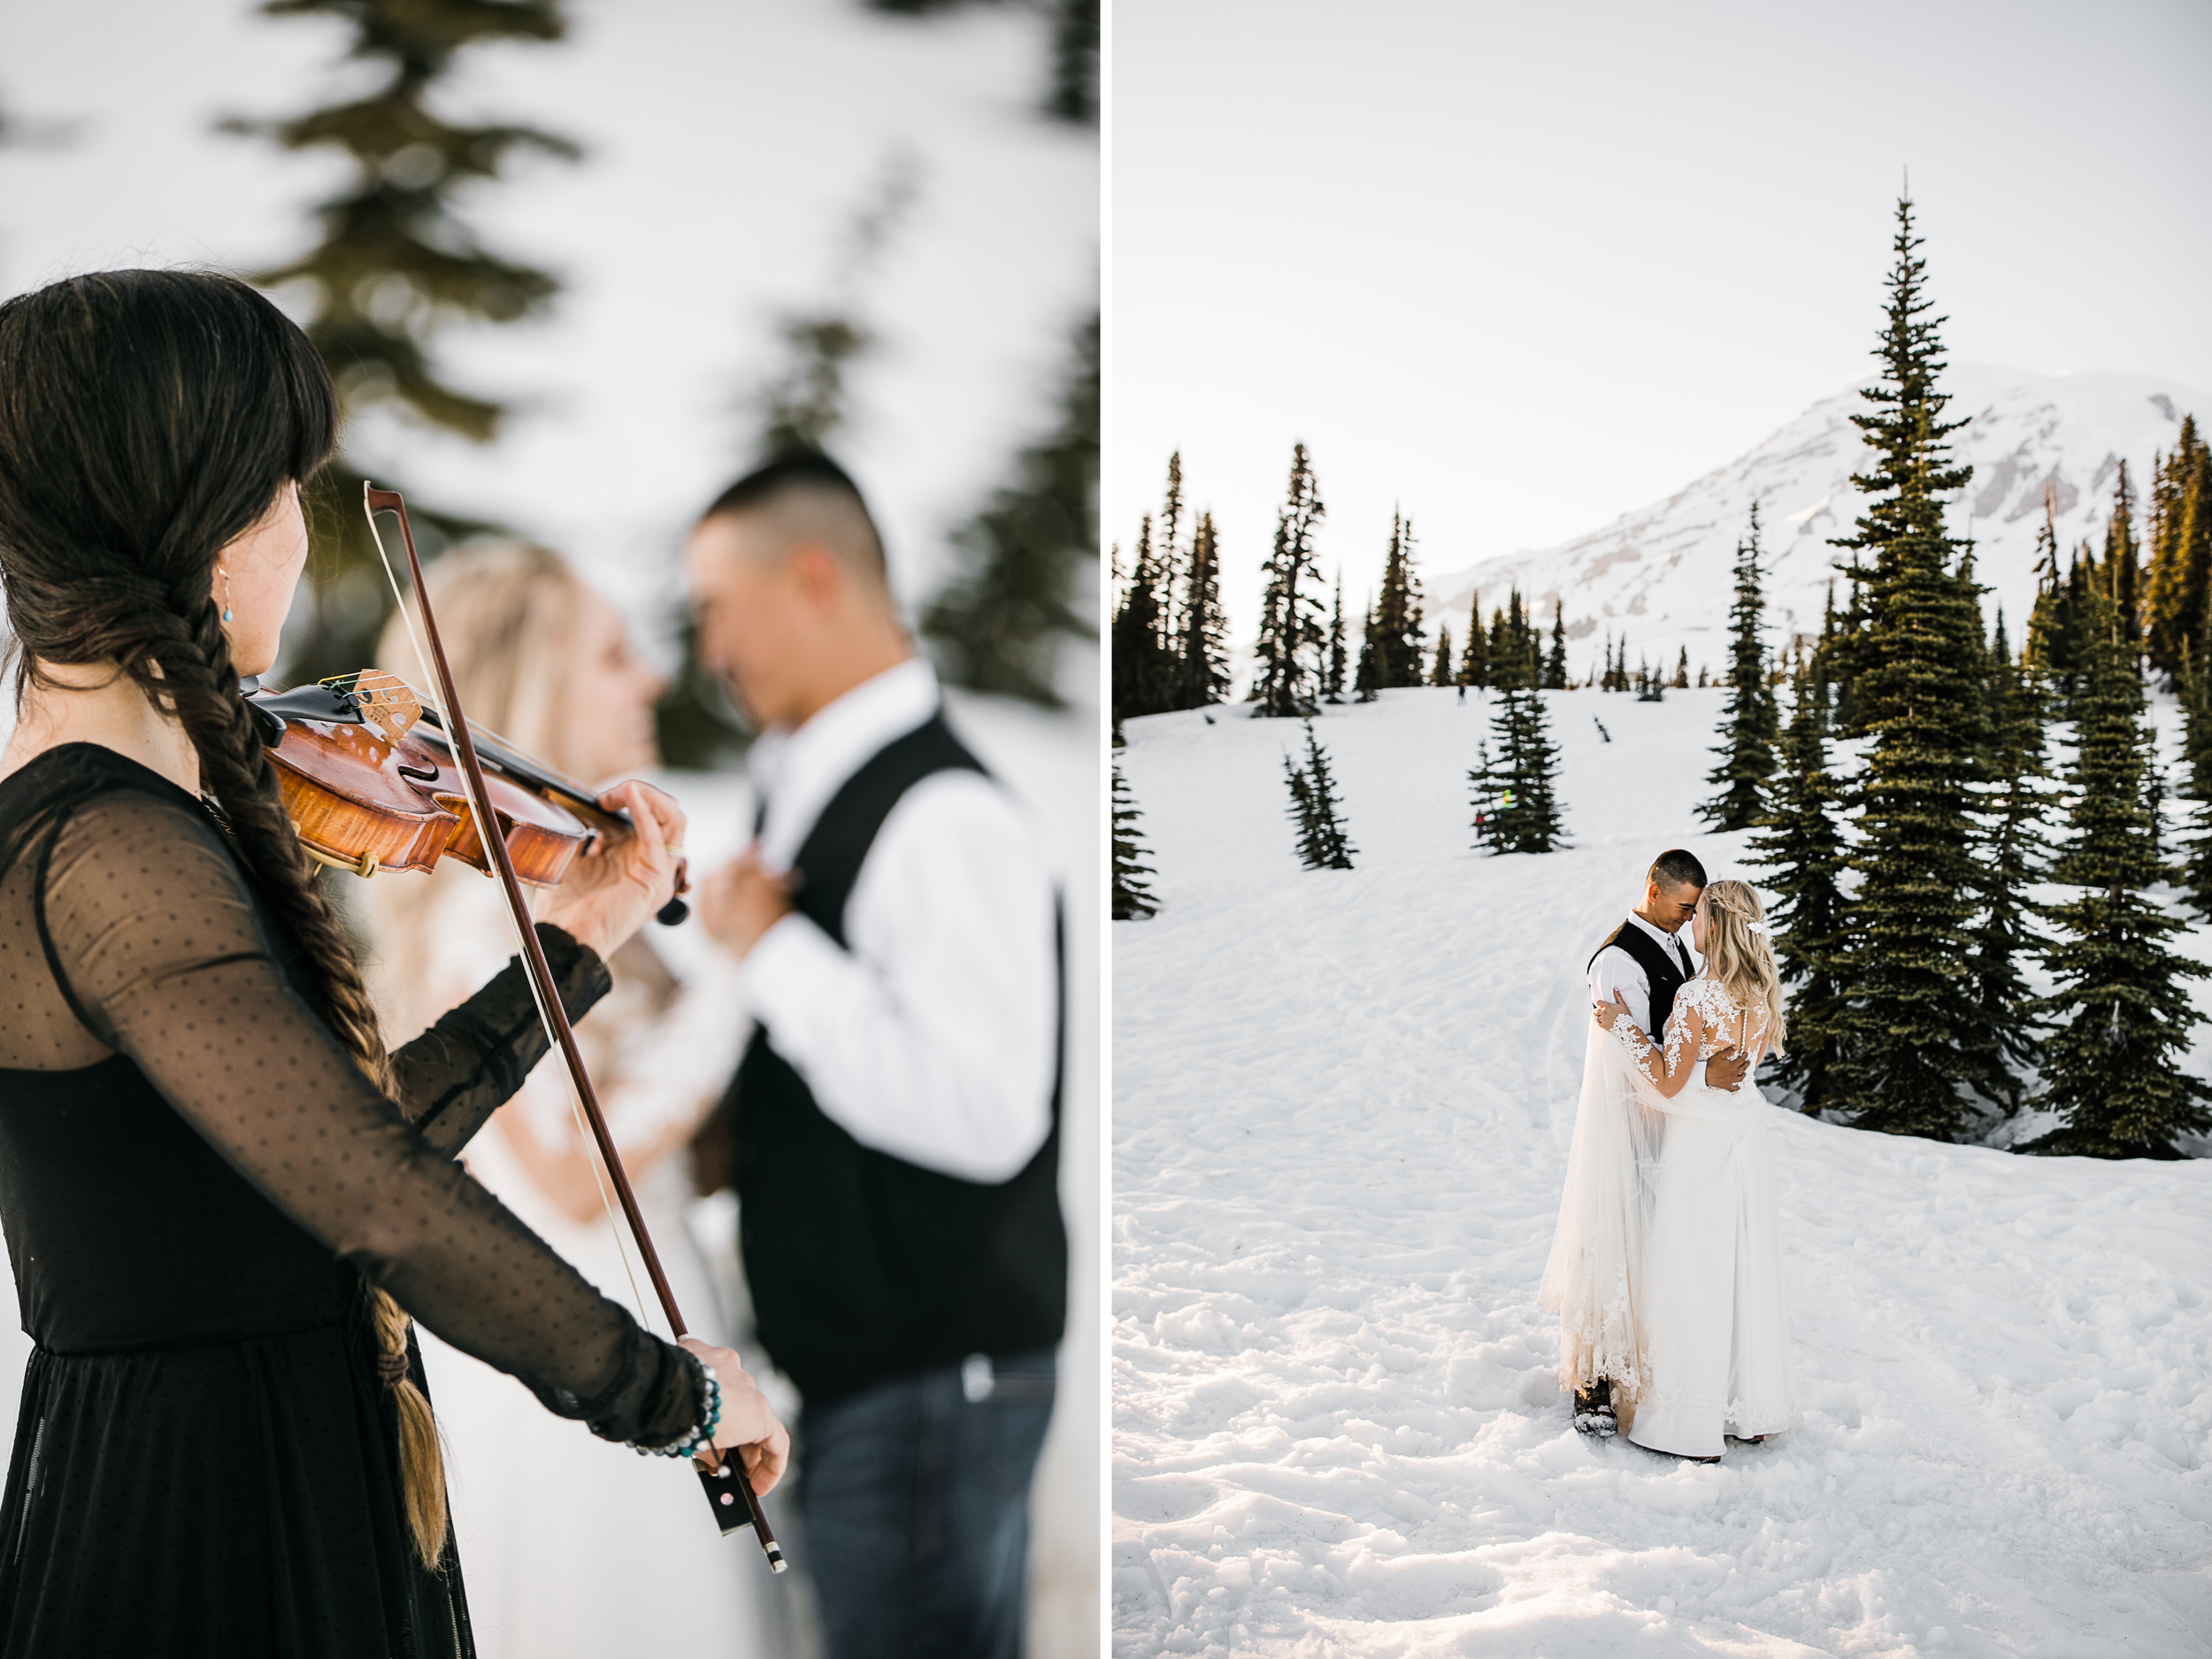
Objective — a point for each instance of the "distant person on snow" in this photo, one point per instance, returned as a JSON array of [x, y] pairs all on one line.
[[896, 1115], [1641, 965]]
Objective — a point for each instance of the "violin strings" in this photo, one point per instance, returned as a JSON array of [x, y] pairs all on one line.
[[545, 1017]]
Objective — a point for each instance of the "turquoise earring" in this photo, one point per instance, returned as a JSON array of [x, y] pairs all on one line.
[[225, 596]]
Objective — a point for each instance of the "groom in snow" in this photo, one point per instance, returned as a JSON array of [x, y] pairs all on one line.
[[1643, 963]]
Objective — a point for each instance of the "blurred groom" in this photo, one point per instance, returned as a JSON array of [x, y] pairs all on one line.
[[896, 1113]]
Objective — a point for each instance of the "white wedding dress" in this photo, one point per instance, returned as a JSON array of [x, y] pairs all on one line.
[[1666, 1268]]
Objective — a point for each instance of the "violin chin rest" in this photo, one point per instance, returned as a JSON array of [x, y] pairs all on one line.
[[673, 912]]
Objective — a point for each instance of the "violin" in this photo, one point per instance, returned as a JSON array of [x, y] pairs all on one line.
[[371, 782], [376, 780]]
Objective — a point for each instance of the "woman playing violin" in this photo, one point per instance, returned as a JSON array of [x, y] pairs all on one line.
[[219, 1189]]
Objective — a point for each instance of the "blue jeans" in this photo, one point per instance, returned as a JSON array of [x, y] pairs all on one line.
[[915, 1497]]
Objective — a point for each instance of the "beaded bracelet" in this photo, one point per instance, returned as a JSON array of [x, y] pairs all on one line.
[[710, 1419]]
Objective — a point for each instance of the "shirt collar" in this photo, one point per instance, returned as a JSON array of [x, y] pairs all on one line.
[[1667, 941], [798, 772]]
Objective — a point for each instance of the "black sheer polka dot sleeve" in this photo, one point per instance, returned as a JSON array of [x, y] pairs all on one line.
[[160, 950], [455, 1075]]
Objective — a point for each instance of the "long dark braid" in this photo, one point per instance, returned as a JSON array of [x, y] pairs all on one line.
[[147, 418]]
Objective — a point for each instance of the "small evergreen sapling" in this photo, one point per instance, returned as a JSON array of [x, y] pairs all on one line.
[[1515, 794], [1133, 895], [1315, 808]]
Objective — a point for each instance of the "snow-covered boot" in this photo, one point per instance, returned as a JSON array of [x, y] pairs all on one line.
[[1593, 1411]]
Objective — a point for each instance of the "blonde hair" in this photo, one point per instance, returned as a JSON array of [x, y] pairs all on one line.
[[1738, 955], [511, 616]]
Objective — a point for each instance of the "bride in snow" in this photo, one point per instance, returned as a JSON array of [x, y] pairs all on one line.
[[1666, 1268]]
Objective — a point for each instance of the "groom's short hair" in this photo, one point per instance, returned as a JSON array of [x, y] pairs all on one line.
[[1678, 868]]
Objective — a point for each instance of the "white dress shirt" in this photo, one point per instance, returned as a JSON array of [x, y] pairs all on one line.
[[1615, 969], [933, 1035]]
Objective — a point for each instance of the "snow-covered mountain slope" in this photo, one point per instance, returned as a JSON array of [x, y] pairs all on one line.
[[1341, 1107], [1662, 574]]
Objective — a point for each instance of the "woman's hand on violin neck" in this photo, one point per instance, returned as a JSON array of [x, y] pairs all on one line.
[[609, 891], [747, 1423]]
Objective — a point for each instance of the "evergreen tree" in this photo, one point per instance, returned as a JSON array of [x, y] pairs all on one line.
[[1555, 664], [1333, 675], [1314, 807], [1516, 795], [2177, 596], [2194, 873], [1367, 678], [1201, 658], [1800, 839], [2121, 1016], [2047, 653], [1291, 629], [1168, 556], [1139, 671], [1751, 724], [1133, 895], [1916, 671], [396, 264], [2011, 858], [1440, 670], [1682, 669], [1028, 555], [2122, 565], [1398, 629], [1474, 659]]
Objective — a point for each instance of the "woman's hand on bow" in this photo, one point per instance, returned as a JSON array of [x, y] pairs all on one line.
[[608, 892], [747, 1423]]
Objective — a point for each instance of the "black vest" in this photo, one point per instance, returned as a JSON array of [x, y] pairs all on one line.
[[862, 1266], [1661, 967]]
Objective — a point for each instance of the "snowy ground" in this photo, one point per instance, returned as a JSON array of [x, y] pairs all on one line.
[[1341, 1107]]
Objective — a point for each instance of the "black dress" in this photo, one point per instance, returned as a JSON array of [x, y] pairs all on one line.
[[197, 1182]]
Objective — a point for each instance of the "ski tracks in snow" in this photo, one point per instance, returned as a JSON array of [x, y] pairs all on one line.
[[1342, 1105]]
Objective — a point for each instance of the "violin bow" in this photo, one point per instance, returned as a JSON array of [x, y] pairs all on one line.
[[718, 1474]]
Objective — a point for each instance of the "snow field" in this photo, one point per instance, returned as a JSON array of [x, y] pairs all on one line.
[[1342, 1103]]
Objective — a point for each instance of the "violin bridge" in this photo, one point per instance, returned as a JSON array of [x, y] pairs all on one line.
[[386, 701]]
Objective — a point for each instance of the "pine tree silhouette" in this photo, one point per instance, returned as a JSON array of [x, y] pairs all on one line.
[[395, 265], [1682, 669], [1515, 794], [1333, 675], [1440, 670], [1202, 661], [1474, 657], [1555, 664], [1290, 604], [1132, 895], [1139, 675], [2121, 1016], [1367, 678], [1751, 722], [1398, 629], [1314, 807], [1030, 554], [1801, 840]]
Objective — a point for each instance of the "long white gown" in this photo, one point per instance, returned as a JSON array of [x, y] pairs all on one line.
[[1667, 1266], [572, 1547]]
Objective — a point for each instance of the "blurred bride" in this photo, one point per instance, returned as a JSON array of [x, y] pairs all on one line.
[[575, 1546]]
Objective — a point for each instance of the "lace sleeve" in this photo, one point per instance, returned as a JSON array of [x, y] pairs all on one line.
[[155, 940], [455, 1075], [1631, 1036]]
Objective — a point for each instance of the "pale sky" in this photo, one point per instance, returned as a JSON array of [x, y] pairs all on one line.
[[1521, 268]]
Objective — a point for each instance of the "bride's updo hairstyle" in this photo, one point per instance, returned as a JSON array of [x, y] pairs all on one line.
[[147, 418], [1738, 955]]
